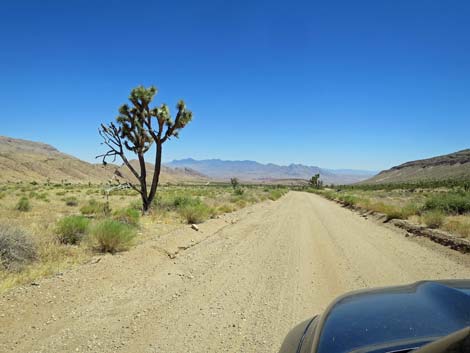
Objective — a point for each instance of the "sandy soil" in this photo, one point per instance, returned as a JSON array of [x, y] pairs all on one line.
[[237, 285]]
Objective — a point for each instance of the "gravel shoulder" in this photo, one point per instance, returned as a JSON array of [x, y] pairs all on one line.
[[237, 285]]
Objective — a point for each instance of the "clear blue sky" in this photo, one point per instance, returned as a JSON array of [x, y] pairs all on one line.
[[339, 84]]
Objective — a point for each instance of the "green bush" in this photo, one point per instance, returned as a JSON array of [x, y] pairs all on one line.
[[175, 202], [70, 230], [348, 200], [128, 216], [455, 203], [225, 208], [195, 213], [111, 236], [17, 248], [23, 205], [433, 219], [71, 201], [136, 205], [275, 194], [238, 191], [96, 208], [409, 210]]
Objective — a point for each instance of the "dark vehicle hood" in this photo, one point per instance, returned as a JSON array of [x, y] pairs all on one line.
[[420, 312]]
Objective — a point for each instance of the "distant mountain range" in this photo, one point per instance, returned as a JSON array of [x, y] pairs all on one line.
[[450, 166], [22, 160], [257, 172]]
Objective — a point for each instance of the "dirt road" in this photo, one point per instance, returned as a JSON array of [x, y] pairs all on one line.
[[237, 285]]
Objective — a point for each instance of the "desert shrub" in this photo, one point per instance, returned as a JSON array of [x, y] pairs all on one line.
[[17, 248], [128, 216], [111, 236], [455, 203], [458, 226], [242, 203], [71, 201], [409, 210], [2, 195], [330, 195], [348, 200], [42, 196], [70, 230], [60, 193], [175, 202], [225, 209], [433, 219], [195, 213], [238, 191], [23, 204], [275, 194], [96, 208], [136, 205]]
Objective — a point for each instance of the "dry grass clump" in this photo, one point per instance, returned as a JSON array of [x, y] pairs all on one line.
[[433, 219], [71, 201], [95, 208], [459, 225]]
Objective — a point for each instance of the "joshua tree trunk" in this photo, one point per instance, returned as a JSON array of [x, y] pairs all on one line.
[[135, 132]]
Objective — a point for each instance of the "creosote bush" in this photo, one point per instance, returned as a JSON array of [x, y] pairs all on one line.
[[276, 194], [111, 236], [433, 219], [196, 212], [70, 230], [96, 208], [454, 203], [17, 248], [23, 205], [71, 201], [128, 216]]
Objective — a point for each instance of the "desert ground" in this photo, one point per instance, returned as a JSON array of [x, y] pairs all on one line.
[[236, 285]]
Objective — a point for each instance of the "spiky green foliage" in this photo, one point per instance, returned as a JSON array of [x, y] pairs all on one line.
[[138, 126]]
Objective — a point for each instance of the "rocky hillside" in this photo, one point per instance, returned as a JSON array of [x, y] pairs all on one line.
[[450, 166], [22, 160], [258, 172]]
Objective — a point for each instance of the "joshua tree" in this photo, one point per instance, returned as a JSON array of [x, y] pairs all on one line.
[[136, 129], [315, 182], [234, 182]]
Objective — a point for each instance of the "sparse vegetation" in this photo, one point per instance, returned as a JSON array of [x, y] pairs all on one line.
[[454, 203], [54, 225], [93, 207], [128, 216], [17, 248], [447, 209], [70, 230], [433, 219], [276, 194], [23, 205], [111, 236], [71, 201], [196, 212]]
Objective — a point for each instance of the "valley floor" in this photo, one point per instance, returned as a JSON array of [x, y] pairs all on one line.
[[237, 285]]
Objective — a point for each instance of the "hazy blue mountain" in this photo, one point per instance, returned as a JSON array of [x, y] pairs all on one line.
[[254, 171]]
